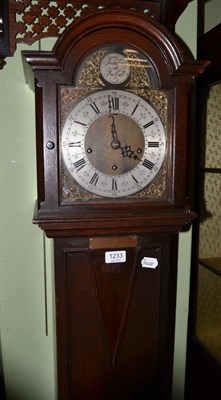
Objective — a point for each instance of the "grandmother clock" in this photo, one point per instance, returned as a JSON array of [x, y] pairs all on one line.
[[112, 114]]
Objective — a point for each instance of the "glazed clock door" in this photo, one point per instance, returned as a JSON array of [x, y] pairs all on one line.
[[120, 144]]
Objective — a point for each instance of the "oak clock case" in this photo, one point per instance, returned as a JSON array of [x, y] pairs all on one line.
[[108, 72], [113, 141]]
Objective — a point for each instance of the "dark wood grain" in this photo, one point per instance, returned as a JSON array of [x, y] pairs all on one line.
[[115, 322], [175, 73]]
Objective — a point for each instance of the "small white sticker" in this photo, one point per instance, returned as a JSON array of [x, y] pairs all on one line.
[[149, 262], [118, 256]]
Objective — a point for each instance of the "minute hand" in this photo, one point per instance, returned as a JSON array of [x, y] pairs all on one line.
[[115, 144]]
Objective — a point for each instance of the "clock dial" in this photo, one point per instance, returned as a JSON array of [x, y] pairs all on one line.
[[113, 143], [115, 68]]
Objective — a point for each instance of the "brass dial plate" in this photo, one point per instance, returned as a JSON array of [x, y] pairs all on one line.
[[94, 162]]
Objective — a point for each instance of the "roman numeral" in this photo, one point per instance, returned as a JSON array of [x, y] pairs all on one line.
[[135, 180], [114, 103], [95, 108], [153, 144], [134, 109], [148, 124], [74, 144], [80, 164], [148, 164], [80, 123], [94, 179], [114, 184]]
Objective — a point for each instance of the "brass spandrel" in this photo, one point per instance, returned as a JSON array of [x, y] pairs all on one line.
[[139, 83]]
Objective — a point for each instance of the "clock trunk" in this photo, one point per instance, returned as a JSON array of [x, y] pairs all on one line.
[[115, 319]]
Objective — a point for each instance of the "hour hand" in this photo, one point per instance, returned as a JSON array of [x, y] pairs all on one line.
[[127, 152], [116, 144]]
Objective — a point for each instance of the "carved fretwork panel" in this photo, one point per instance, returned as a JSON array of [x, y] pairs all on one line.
[[26, 21], [34, 19]]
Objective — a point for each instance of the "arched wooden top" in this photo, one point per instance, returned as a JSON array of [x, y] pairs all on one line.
[[108, 26]]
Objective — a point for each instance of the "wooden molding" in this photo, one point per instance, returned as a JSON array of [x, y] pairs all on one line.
[[27, 22]]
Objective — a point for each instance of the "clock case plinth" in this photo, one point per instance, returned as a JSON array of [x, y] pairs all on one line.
[[46, 70]]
